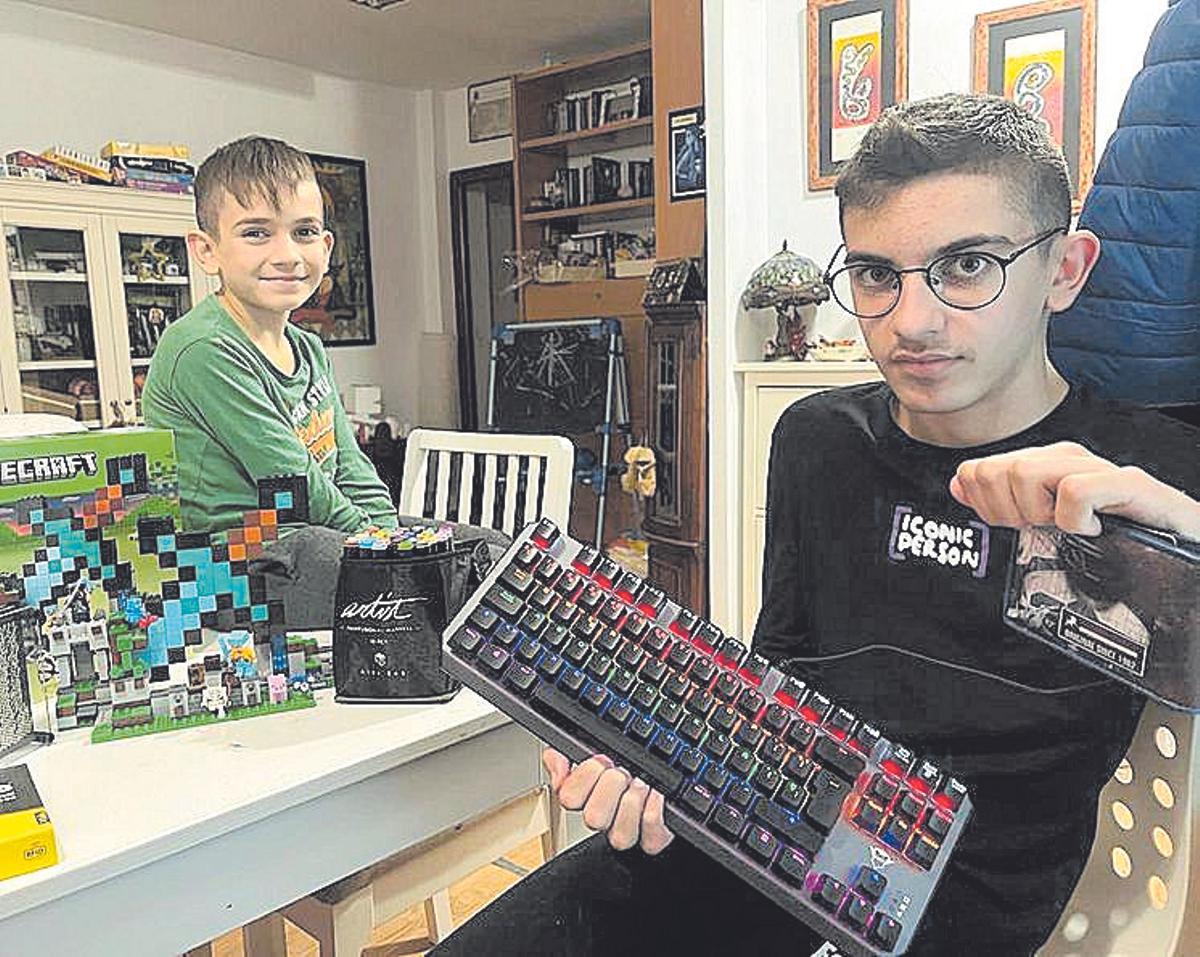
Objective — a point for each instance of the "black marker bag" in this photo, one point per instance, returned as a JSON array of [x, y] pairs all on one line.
[[389, 616]]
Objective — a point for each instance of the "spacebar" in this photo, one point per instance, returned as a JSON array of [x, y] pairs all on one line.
[[571, 716]]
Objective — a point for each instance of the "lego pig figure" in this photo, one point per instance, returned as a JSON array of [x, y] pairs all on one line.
[[214, 699], [277, 686]]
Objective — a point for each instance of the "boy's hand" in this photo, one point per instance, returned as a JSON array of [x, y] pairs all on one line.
[[1066, 485], [611, 800]]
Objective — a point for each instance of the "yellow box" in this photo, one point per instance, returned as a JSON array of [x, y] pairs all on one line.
[[175, 151], [26, 834]]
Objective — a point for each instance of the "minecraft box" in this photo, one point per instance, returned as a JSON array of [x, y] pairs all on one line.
[[136, 614]]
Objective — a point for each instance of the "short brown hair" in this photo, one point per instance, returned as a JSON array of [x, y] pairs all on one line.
[[254, 167], [960, 133]]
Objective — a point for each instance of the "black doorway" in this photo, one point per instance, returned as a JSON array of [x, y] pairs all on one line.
[[483, 225]]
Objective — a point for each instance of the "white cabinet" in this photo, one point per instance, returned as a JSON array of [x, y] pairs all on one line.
[[768, 388], [90, 277]]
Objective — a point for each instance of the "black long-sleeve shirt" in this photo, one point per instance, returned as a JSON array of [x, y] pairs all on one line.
[[872, 567]]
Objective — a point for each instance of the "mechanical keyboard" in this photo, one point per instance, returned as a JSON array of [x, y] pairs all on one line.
[[845, 829]]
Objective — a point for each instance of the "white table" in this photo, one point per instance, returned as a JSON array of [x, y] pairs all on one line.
[[170, 840]]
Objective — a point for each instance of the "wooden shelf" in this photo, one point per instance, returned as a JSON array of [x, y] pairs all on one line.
[[581, 69], [49, 365], [169, 281], [614, 210], [623, 133], [19, 276]]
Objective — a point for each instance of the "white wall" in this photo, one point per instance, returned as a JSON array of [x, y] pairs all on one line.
[[82, 82], [754, 80]]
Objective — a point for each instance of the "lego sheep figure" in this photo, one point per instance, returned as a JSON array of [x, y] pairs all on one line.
[[214, 698]]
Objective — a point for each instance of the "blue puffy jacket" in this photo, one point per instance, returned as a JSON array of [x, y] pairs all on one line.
[[1134, 332]]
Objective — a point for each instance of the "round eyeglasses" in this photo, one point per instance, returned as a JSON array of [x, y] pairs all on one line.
[[970, 279]]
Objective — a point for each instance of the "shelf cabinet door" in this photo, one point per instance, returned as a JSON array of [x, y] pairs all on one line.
[[55, 347], [152, 283]]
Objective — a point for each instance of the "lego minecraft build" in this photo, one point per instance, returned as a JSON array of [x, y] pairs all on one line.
[[147, 627]]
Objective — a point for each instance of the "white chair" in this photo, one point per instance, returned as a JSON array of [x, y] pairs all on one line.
[[496, 481], [1139, 895]]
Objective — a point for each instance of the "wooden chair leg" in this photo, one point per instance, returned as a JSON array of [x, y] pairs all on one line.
[[342, 929], [265, 937], [438, 917]]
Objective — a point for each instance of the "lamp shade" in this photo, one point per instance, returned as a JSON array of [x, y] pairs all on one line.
[[786, 279]]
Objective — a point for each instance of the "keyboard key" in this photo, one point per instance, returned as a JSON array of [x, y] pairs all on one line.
[[841, 760], [685, 623], [828, 892], [749, 702], [618, 712], [628, 586], [707, 637], [815, 708], [800, 735], [699, 703], [641, 728], [910, 806], [897, 833], [727, 687], [651, 601], [591, 598], [883, 787], [715, 777], [766, 779], [828, 794], [545, 534], [740, 761], [791, 795], [613, 612], [925, 778], [550, 666], [543, 599], [565, 613], [555, 636], [676, 686], [577, 651], [797, 766], [740, 795], [692, 729], [840, 723], [586, 627], [690, 760], [697, 800], [728, 821], [855, 912], [572, 680], [598, 666], [520, 677], [791, 693], [484, 619], [717, 745], [517, 580], [922, 851], [493, 660], [586, 559], [792, 866], [645, 696], [775, 718], [655, 641], [607, 641], [665, 745], [870, 883], [938, 825], [702, 671], [595, 697], [773, 751], [723, 717], [898, 761], [622, 681], [884, 931], [635, 628], [572, 716], [568, 584], [753, 669], [466, 642], [794, 830], [528, 650], [731, 653], [748, 735], [951, 795], [760, 843], [869, 816], [864, 739], [548, 570], [653, 671], [527, 555], [506, 635], [680, 657], [606, 572], [668, 712], [631, 656], [506, 604]]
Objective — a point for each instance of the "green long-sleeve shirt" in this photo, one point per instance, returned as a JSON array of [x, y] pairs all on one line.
[[237, 419]]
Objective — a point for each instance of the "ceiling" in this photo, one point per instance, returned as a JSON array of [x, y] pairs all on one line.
[[421, 43]]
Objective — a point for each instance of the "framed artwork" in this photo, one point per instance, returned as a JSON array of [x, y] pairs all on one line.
[[1042, 56], [688, 165], [489, 110], [857, 66], [342, 310]]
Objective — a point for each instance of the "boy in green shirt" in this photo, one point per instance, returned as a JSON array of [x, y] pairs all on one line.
[[249, 395]]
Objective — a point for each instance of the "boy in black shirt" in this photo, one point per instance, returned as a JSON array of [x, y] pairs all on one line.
[[882, 586]]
